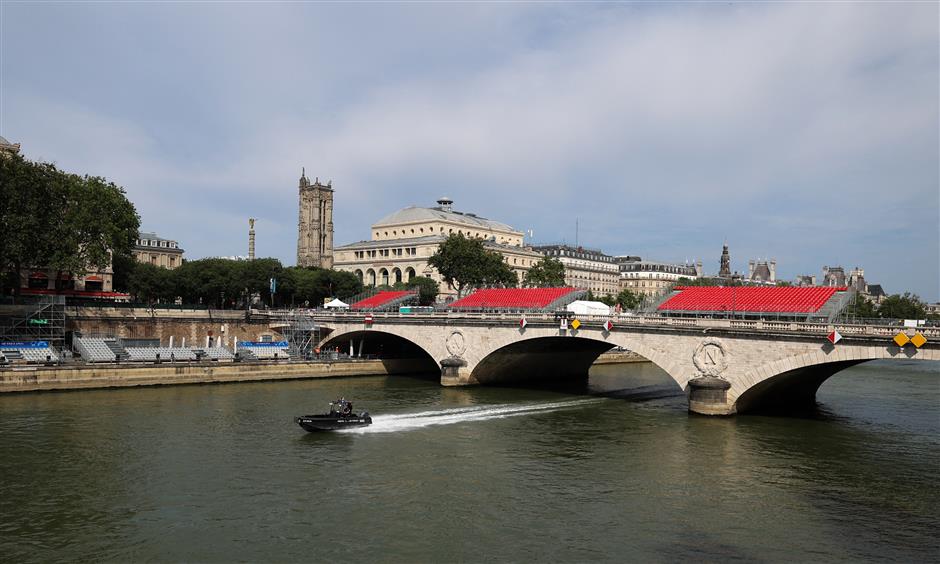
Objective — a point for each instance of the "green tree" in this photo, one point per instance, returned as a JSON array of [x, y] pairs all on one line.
[[629, 300], [906, 306], [150, 283], [465, 263], [862, 307], [427, 289], [546, 273], [65, 222]]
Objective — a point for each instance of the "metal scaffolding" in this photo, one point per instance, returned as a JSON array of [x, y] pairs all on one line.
[[301, 333], [35, 319]]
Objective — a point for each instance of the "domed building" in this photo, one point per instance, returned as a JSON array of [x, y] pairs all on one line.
[[402, 242], [6, 147]]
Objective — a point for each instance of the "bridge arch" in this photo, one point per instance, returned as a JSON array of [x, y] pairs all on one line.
[[552, 356], [792, 382], [398, 353]]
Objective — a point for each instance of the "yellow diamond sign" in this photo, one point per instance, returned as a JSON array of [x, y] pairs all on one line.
[[901, 339], [575, 324], [918, 339]]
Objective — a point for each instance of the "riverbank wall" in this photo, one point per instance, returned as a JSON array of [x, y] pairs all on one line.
[[43, 378], [193, 325]]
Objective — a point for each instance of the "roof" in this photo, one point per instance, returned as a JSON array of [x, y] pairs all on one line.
[[3, 141], [757, 299], [414, 214], [876, 290]]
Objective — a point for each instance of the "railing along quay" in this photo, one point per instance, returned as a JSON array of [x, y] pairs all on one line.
[[633, 321]]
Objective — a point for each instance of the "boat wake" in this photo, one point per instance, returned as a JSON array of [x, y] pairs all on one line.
[[419, 420]]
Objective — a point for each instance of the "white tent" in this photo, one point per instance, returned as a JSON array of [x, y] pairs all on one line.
[[584, 307], [336, 304]]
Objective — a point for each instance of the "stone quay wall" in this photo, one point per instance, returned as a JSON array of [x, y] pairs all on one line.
[[193, 324], [39, 378]]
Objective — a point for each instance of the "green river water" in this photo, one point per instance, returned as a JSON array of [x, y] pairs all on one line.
[[615, 471]]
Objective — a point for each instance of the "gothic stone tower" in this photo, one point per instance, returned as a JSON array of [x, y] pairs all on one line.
[[725, 270], [315, 225]]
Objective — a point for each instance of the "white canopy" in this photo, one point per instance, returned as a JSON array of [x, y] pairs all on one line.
[[336, 304], [584, 307]]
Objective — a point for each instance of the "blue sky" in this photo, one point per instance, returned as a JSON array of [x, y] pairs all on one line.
[[802, 132]]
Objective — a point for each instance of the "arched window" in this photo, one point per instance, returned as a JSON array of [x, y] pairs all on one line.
[[370, 278], [383, 277], [359, 275], [396, 273], [409, 274]]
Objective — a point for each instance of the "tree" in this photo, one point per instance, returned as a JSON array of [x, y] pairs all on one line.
[[906, 306], [863, 307], [427, 289], [629, 300], [465, 263], [150, 283], [64, 222], [546, 273]]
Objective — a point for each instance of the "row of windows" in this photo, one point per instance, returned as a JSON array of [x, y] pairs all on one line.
[[580, 254], [399, 252], [156, 243], [683, 270], [657, 275]]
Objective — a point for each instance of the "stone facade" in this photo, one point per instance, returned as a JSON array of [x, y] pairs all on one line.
[[762, 272], [151, 249], [587, 269], [315, 224], [652, 278], [7, 148], [402, 242]]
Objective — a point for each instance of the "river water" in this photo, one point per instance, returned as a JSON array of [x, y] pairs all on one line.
[[618, 471]]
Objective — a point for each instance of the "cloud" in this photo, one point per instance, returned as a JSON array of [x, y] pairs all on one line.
[[800, 131]]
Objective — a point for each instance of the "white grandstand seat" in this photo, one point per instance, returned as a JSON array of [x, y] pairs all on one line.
[[94, 349]]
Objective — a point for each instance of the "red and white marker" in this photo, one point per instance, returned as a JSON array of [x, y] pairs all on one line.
[[608, 325], [834, 337], [368, 319], [523, 323]]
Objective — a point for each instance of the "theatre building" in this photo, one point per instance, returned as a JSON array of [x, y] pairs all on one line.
[[401, 243]]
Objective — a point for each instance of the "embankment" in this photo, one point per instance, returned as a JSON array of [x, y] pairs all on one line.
[[40, 378]]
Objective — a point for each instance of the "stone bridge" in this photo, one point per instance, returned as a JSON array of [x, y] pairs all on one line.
[[726, 366]]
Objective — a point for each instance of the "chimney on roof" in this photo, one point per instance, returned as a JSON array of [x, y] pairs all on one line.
[[446, 204]]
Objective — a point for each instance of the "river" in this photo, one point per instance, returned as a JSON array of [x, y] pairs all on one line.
[[617, 471]]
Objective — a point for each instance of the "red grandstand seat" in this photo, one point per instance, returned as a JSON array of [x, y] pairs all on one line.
[[512, 298], [750, 299]]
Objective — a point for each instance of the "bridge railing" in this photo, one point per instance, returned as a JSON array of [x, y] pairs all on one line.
[[629, 320]]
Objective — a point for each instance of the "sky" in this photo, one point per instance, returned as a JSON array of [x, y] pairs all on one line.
[[802, 132]]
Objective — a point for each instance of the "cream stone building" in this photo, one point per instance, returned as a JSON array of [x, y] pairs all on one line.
[[587, 269], [402, 242], [650, 277], [151, 249]]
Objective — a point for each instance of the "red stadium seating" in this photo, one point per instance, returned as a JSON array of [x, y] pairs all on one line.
[[378, 300], [512, 298], [750, 299]]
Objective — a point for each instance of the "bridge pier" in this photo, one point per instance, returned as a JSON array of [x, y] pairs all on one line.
[[709, 396], [455, 372]]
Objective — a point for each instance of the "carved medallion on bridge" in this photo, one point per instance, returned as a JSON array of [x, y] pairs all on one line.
[[456, 344], [710, 357]]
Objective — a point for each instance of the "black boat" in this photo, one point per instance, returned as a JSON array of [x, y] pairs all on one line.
[[341, 416]]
